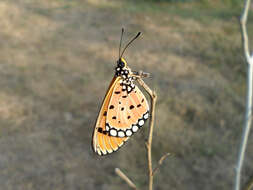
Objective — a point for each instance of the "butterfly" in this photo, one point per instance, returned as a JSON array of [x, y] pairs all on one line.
[[124, 109]]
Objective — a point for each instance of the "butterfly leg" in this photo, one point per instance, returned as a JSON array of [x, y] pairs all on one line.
[[140, 74]]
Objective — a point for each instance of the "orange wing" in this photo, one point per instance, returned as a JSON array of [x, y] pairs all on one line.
[[127, 111], [102, 142]]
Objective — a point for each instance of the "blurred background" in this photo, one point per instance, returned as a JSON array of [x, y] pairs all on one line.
[[57, 58]]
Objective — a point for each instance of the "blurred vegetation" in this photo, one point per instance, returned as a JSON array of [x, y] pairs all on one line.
[[57, 59], [232, 3]]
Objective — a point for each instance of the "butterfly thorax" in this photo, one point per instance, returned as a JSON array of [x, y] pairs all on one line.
[[127, 78]]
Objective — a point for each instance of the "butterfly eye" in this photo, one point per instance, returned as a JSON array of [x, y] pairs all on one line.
[[121, 63]]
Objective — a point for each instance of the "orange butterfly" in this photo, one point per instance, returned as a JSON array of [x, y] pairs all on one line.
[[123, 112]]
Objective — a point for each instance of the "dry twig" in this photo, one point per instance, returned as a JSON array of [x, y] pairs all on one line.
[[248, 113], [125, 178], [153, 98], [249, 186], [160, 163]]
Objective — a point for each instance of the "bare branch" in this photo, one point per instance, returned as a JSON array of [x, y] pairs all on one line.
[[153, 98], [125, 178], [160, 163], [248, 113]]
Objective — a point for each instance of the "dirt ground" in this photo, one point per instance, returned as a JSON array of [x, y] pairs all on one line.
[[57, 58]]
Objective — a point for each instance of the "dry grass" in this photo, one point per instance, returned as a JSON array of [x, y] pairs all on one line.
[[55, 57]]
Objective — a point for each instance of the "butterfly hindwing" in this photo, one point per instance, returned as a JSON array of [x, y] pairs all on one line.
[[127, 111], [102, 142]]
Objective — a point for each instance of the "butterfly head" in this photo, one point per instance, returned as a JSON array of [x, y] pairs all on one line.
[[121, 63], [122, 68]]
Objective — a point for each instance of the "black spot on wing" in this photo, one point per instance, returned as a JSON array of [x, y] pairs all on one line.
[[100, 130]]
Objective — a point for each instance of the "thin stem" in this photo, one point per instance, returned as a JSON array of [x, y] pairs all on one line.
[[153, 98], [246, 128], [248, 112]]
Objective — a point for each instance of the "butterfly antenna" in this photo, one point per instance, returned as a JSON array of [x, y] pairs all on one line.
[[130, 43], [122, 31]]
